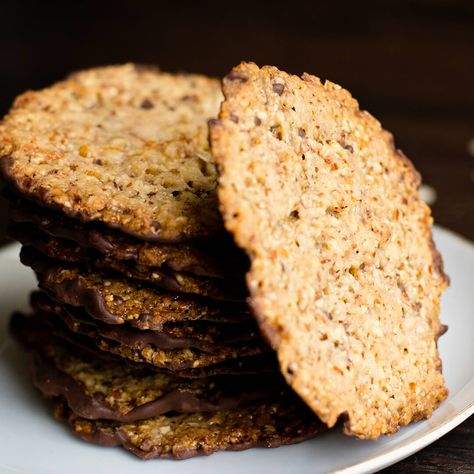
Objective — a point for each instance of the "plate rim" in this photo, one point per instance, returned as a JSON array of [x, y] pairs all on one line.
[[410, 446]]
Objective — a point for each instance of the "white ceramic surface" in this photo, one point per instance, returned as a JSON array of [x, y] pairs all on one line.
[[32, 442]]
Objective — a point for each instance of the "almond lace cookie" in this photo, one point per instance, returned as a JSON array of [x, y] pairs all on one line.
[[345, 280], [213, 257], [109, 389], [32, 331], [159, 350], [38, 252], [268, 424], [114, 300], [201, 335], [124, 145]]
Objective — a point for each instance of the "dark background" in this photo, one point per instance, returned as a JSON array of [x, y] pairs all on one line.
[[410, 63]]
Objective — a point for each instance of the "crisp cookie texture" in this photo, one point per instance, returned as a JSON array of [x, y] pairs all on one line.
[[114, 300], [345, 280], [124, 145], [268, 424], [204, 335], [33, 330], [37, 246], [176, 337], [214, 257]]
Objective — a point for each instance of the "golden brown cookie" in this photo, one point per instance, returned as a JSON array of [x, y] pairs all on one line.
[[202, 335], [268, 424], [99, 389], [115, 300], [40, 329], [147, 352], [345, 280], [213, 257], [41, 252], [124, 145]]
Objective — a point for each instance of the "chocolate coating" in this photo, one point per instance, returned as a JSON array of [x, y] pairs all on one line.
[[205, 340], [224, 394], [215, 257], [232, 289]]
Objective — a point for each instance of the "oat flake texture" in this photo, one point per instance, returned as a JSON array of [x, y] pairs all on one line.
[[345, 280]]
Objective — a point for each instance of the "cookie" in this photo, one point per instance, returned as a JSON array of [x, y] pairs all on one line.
[[37, 329], [116, 300], [148, 353], [345, 280], [205, 337], [264, 363], [178, 359], [37, 246], [63, 250], [268, 424], [125, 394], [216, 257], [97, 389], [122, 145]]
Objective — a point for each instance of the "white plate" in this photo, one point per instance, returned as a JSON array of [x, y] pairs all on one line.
[[32, 442]]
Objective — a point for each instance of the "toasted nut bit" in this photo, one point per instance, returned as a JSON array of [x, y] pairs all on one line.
[[83, 150]]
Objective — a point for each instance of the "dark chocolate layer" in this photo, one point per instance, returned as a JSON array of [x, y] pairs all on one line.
[[173, 395], [206, 337], [216, 257], [269, 424], [232, 289]]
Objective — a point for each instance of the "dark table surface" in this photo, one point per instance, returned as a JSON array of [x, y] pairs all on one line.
[[410, 63]]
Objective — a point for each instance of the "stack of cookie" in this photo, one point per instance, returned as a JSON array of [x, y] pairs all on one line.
[[140, 331]]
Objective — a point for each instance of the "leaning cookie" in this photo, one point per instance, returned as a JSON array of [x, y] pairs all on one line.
[[267, 424], [345, 280]]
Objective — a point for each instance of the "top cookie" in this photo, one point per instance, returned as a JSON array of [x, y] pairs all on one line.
[[125, 145], [345, 280]]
